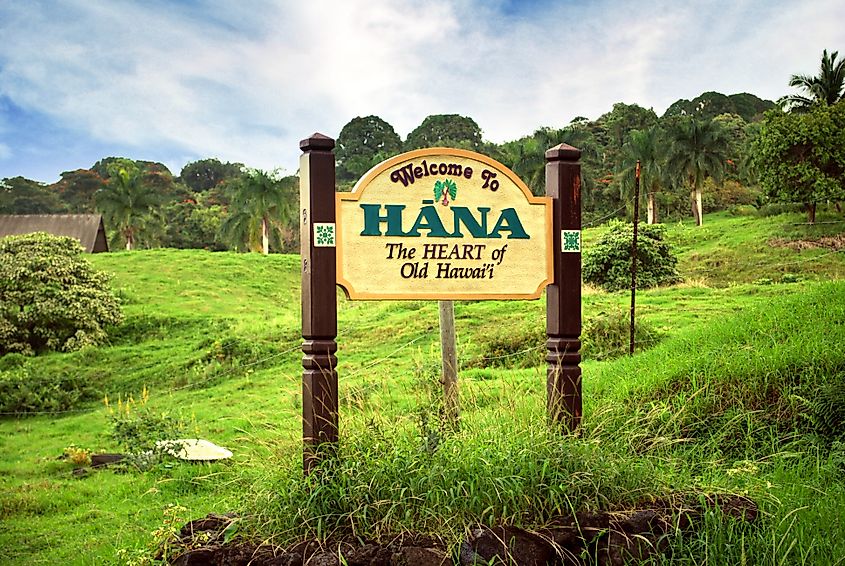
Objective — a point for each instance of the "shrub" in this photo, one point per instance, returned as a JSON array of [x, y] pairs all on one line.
[[137, 427], [23, 390], [743, 210], [604, 336], [719, 196], [608, 263], [607, 335], [50, 296], [776, 209], [826, 407], [516, 347]]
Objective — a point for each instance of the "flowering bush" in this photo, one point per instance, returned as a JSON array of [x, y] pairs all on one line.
[[51, 298]]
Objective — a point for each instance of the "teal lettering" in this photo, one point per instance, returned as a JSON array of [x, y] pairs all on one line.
[[428, 219], [509, 220], [462, 214], [373, 220]]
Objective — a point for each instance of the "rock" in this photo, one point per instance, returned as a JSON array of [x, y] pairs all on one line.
[[736, 506], [194, 449], [284, 559], [621, 548], [212, 523], [323, 558], [509, 545], [369, 555], [101, 460], [606, 538], [420, 556], [197, 557]]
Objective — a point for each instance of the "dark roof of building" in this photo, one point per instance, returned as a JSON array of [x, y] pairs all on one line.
[[87, 228]]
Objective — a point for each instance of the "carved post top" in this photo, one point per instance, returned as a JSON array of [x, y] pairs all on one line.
[[563, 152], [316, 142]]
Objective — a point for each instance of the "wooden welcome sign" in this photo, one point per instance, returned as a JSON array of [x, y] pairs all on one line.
[[443, 224], [437, 223]]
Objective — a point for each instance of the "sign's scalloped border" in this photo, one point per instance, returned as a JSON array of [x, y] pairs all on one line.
[[358, 191]]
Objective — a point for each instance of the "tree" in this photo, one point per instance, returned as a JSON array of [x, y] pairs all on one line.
[[363, 143], [193, 224], [264, 205], [125, 202], [155, 176], [622, 120], [697, 150], [77, 189], [527, 156], [445, 130], [50, 296], [205, 174], [708, 105], [800, 157], [649, 148], [19, 195], [826, 88]]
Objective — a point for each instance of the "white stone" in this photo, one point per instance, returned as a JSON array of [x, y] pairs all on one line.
[[193, 449]]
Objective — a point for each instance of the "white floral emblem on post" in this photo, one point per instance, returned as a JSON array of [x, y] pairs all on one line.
[[324, 235], [570, 241]]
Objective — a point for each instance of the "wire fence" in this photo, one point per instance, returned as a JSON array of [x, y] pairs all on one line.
[[214, 376], [598, 221], [296, 346]]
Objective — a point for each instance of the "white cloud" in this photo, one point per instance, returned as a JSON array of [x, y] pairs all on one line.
[[216, 79]]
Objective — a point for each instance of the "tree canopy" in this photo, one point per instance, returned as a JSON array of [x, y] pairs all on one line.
[[801, 156], [204, 206], [826, 88], [697, 149], [363, 143], [264, 208], [711, 104], [205, 174], [449, 130], [77, 189], [19, 195], [126, 201]]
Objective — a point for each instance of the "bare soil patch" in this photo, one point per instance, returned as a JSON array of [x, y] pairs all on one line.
[[604, 538], [834, 243]]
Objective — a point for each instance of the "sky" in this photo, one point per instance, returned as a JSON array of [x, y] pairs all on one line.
[[177, 81]]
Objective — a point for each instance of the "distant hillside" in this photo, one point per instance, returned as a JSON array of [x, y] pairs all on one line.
[[711, 104]]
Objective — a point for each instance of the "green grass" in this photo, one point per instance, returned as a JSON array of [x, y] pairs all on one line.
[[718, 403]]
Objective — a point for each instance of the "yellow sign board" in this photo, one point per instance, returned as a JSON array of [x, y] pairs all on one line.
[[443, 223]]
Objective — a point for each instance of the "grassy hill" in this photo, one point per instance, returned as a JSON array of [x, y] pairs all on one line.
[[735, 391]]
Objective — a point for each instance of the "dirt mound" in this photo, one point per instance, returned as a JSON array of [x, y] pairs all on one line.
[[604, 538], [834, 243]]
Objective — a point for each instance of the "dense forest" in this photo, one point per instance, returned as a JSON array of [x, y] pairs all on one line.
[[711, 153]]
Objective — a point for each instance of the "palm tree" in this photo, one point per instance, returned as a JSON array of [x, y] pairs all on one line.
[[698, 149], [827, 88], [527, 156], [125, 201], [262, 202], [647, 147]]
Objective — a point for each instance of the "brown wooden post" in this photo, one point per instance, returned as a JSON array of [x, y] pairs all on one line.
[[319, 298], [563, 296]]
